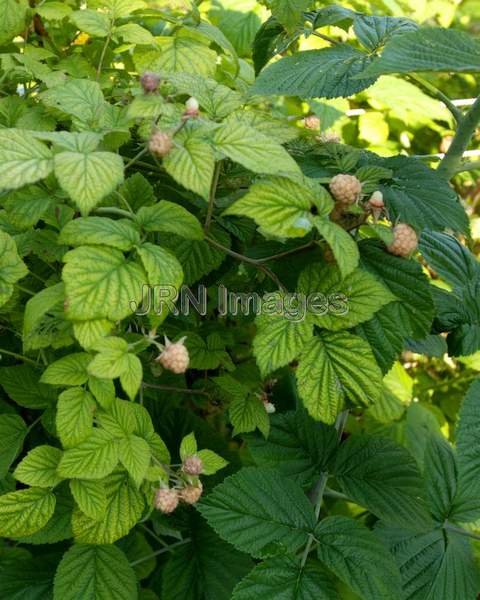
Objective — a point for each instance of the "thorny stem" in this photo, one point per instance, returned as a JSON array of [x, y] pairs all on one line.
[[170, 388], [113, 210], [436, 93], [466, 128], [162, 551], [136, 157], [19, 356], [324, 37], [319, 489], [104, 52], [211, 196]]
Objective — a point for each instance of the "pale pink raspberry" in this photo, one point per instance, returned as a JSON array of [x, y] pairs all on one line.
[[269, 407], [345, 188], [160, 144], [329, 137], [191, 493], [311, 122], [192, 465], [376, 200], [191, 108], [150, 82], [174, 356], [405, 240], [166, 500]]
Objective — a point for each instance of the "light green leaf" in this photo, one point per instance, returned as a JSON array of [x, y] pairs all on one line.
[[335, 367], [92, 22], [282, 207], [13, 16], [289, 12], [12, 267], [358, 558], [125, 506], [69, 370], [257, 510], [121, 234], [87, 333], [90, 496], [120, 418], [74, 418], [188, 446], [248, 413], [80, 98], [161, 265], [103, 390], [343, 246], [131, 378], [48, 299], [212, 462], [133, 33], [191, 163], [284, 577], [88, 177], [253, 150], [112, 359], [23, 159], [101, 283], [349, 300], [25, 511], [170, 217], [89, 572], [39, 467], [12, 434], [135, 456], [93, 458]]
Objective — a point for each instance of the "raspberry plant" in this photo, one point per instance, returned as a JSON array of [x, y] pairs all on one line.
[[210, 455]]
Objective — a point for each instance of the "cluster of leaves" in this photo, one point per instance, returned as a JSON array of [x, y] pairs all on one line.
[[351, 490]]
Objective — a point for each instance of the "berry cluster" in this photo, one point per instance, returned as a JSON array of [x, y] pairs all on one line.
[[187, 486]]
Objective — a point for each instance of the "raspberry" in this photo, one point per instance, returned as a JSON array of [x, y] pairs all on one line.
[[191, 108], [311, 122], [191, 493], [192, 465], [150, 82], [376, 200], [174, 356], [269, 407], [166, 500], [345, 188], [160, 144], [329, 137], [405, 240]]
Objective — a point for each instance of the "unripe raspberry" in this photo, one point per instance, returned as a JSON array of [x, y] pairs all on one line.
[[191, 493], [269, 407], [174, 357], [345, 188], [160, 144], [150, 82], [329, 137], [191, 108], [166, 500], [405, 240], [192, 465], [376, 200], [311, 122]]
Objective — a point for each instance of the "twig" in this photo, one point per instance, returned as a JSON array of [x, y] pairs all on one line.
[[211, 196], [170, 388], [19, 356], [324, 37], [162, 551], [136, 157], [468, 166], [104, 52]]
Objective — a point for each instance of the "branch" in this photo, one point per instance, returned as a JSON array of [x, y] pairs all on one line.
[[468, 166], [211, 196], [436, 93], [466, 128], [162, 551], [170, 388]]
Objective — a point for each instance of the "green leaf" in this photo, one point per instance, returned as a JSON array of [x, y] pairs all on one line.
[[428, 49], [88, 333], [101, 283], [69, 370], [297, 446], [134, 34], [39, 467], [92, 22], [12, 267], [23, 159], [335, 367], [74, 418], [135, 456], [80, 98], [373, 32], [161, 265], [13, 17], [12, 434], [125, 506], [121, 234], [257, 509], [47, 301], [120, 418], [343, 246], [90, 496], [103, 390], [279, 340], [281, 207], [358, 558], [111, 361], [21, 384], [88, 176], [289, 12], [246, 414], [88, 572], [212, 462], [131, 378], [253, 150], [191, 163], [170, 217], [188, 446], [284, 577], [93, 458], [351, 300], [25, 511], [440, 476], [326, 73], [382, 476]]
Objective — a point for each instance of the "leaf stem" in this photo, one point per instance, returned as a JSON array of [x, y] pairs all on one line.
[[468, 166], [461, 531], [466, 128], [211, 196], [324, 37], [104, 52], [19, 356], [171, 388], [162, 551], [136, 157], [436, 93], [113, 210]]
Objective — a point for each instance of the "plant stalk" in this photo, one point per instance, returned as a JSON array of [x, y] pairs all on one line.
[[162, 551], [211, 197]]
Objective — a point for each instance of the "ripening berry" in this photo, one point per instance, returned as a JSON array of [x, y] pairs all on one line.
[[405, 240], [150, 82], [192, 465], [160, 144], [191, 493], [269, 407], [329, 137], [376, 200], [311, 122], [192, 108], [174, 356], [166, 500], [345, 188]]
